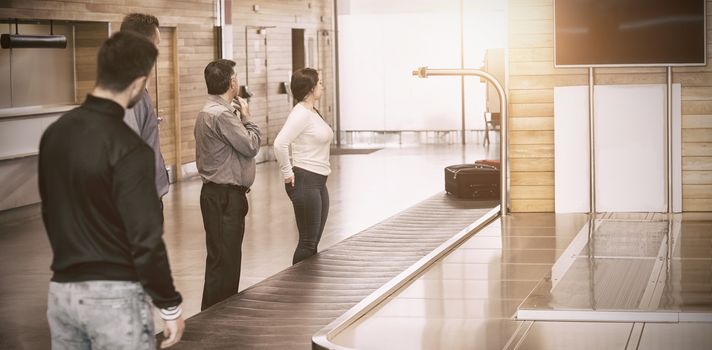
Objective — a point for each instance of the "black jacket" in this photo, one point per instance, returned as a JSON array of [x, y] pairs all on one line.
[[99, 202]]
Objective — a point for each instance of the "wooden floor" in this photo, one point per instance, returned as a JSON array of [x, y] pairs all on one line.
[[365, 189]]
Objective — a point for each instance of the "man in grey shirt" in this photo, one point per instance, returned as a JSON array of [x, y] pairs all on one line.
[[142, 117], [226, 143]]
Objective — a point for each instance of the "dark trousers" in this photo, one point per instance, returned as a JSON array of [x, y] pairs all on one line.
[[224, 208], [310, 199]]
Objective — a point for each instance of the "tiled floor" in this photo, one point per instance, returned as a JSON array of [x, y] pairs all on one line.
[[469, 299], [364, 189], [653, 270]]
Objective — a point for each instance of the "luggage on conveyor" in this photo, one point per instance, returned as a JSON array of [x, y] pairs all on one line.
[[472, 181], [490, 162]]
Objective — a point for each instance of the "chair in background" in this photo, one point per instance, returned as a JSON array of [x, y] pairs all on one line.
[[492, 123]]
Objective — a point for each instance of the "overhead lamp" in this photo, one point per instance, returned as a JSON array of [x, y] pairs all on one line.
[[19, 41]]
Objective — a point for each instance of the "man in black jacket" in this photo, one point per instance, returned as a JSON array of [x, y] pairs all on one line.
[[102, 215]]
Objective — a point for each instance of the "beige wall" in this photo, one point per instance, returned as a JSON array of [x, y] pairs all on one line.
[[532, 78]]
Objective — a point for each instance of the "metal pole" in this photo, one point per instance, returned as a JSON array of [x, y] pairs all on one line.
[[337, 113], [591, 143], [267, 85], [424, 72], [668, 141], [591, 262], [247, 59], [462, 66]]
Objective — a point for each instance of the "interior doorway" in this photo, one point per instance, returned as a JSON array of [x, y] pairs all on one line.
[[306, 53], [257, 77], [298, 50]]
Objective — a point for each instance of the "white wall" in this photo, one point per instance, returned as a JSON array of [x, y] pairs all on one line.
[[630, 158], [20, 133], [380, 45]]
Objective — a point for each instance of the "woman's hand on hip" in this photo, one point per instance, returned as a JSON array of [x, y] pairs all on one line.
[[289, 180]]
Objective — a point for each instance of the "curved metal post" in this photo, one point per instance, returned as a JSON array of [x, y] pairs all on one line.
[[424, 72]]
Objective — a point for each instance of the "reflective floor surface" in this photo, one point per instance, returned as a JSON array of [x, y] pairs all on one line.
[[657, 269], [364, 189], [470, 298]]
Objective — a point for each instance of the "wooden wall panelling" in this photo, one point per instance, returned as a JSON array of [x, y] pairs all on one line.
[[178, 173], [195, 46], [696, 177], [688, 78], [532, 123], [690, 205], [161, 88], [528, 110], [543, 178], [88, 39], [531, 96], [522, 40], [532, 192], [532, 205], [697, 131], [696, 121], [258, 75], [279, 65], [526, 165], [282, 15], [532, 78], [327, 71], [696, 93], [530, 151], [693, 149]]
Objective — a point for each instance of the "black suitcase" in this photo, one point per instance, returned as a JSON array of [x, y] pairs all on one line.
[[472, 181]]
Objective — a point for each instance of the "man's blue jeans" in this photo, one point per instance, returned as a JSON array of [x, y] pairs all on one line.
[[100, 315]]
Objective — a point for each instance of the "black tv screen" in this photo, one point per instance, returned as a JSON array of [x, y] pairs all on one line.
[[629, 32]]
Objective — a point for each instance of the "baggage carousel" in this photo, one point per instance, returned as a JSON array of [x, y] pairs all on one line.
[[287, 309]]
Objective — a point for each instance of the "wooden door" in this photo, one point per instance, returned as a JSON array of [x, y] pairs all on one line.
[[162, 88], [256, 75]]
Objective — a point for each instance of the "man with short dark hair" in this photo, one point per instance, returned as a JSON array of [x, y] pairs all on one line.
[[226, 143], [141, 23], [102, 215], [142, 117]]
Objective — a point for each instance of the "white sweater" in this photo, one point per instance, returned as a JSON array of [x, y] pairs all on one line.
[[310, 138]]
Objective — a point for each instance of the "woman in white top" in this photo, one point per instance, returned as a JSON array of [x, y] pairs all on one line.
[[305, 175]]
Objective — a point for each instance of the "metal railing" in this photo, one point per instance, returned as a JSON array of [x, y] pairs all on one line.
[[424, 72]]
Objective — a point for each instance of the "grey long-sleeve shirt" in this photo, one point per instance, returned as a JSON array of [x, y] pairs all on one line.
[[143, 120], [225, 147]]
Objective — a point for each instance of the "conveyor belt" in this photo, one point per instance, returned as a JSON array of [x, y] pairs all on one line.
[[285, 310]]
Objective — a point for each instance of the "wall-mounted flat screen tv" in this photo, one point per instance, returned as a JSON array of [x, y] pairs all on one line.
[[629, 33]]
